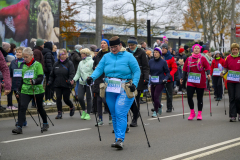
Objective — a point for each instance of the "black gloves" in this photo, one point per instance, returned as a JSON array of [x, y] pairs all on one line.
[[145, 82], [132, 88], [164, 81], [89, 80]]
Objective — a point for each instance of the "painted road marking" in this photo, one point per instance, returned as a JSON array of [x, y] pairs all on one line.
[[168, 116], [47, 135], [213, 151], [202, 149]]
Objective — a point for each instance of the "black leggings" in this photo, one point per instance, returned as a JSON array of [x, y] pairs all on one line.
[[136, 108], [218, 88], [190, 93], [99, 105], [24, 101], [65, 93]]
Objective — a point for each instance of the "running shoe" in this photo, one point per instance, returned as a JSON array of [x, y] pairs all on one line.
[[154, 115], [45, 126], [53, 103], [72, 110], [83, 115], [100, 123], [87, 117], [17, 130], [119, 144], [48, 103], [59, 116], [160, 110], [233, 119], [113, 144]]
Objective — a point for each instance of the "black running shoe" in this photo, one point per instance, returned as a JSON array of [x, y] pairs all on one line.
[[17, 130], [134, 123], [59, 116], [169, 110], [113, 144], [119, 144], [72, 111], [45, 127]]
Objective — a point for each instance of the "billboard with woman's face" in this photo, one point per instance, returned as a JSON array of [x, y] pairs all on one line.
[[24, 21]]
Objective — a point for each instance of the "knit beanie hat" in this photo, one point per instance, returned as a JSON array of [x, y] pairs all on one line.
[[217, 52], [93, 48], [132, 40], [39, 42], [165, 46], [165, 38], [106, 41], [205, 51], [158, 49], [5, 46], [181, 50]]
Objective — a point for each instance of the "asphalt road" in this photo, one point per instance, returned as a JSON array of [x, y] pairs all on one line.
[[213, 138]]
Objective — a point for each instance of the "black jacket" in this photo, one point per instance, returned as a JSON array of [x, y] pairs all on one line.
[[183, 56], [100, 79], [48, 57], [142, 59], [75, 58], [62, 73]]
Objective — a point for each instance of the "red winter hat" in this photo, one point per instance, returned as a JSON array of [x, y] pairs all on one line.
[[181, 50], [205, 51]]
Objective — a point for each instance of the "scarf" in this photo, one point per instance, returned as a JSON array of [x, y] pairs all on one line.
[[218, 58], [30, 63], [235, 56], [199, 61], [62, 60], [133, 51]]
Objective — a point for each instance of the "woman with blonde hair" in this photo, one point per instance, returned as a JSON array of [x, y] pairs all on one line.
[[85, 69], [62, 73]]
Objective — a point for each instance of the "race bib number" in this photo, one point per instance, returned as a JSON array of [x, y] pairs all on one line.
[[216, 72], [155, 79], [29, 74], [233, 76], [17, 73], [194, 77], [114, 85]]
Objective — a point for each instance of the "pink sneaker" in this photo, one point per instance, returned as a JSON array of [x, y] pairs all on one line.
[[14, 108], [199, 116], [192, 114]]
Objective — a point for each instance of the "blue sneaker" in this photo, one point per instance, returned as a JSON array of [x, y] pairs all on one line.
[[160, 110], [25, 124], [154, 115]]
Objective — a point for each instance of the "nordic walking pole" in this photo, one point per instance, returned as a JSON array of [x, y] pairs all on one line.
[[32, 117], [210, 98], [36, 107], [142, 121], [13, 115], [182, 103], [95, 113], [224, 98], [147, 103]]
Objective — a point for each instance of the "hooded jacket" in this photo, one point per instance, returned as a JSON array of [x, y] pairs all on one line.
[[48, 57], [215, 63], [38, 56], [142, 60], [172, 65], [85, 69]]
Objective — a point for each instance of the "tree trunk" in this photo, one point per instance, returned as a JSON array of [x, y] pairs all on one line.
[[135, 17]]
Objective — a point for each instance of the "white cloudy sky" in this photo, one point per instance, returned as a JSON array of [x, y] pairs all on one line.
[[89, 12]]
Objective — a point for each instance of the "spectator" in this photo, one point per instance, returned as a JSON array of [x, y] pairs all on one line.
[[76, 58], [54, 51]]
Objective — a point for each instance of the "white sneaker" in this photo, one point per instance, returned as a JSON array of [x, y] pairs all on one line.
[[180, 92], [53, 103], [48, 102], [176, 89]]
